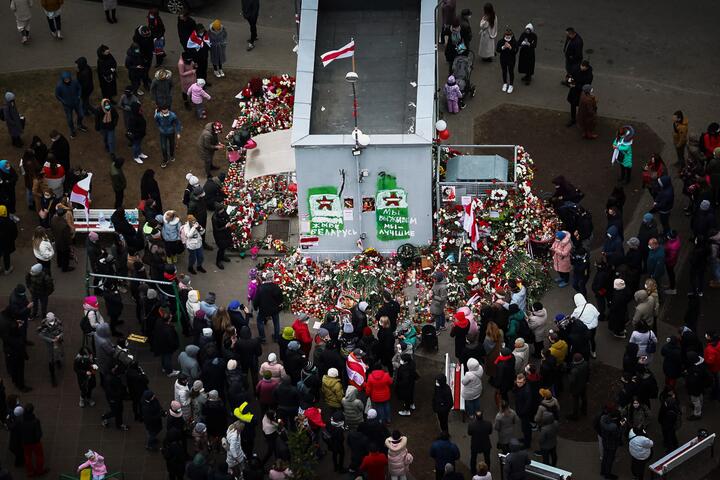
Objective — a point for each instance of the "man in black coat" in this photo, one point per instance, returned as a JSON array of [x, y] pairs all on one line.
[[31, 435], [288, 400], [15, 351], [115, 393], [374, 430], [221, 233], [579, 76], [185, 26], [165, 343], [295, 361], [152, 414], [479, 431], [268, 301], [251, 11], [137, 384], [524, 407], [573, 50], [390, 308], [60, 148], [248, 351], [85, 78]]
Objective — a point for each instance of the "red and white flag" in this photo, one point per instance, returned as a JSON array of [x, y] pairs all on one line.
[[345, 52], [196, 42], [81, 192]]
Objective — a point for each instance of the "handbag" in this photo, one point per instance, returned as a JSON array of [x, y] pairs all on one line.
[[651, 346]]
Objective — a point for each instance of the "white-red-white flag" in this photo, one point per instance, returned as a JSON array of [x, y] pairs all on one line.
[[344, 52], [81, 192]]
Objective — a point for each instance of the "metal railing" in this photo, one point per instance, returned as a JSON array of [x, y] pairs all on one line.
[[539, 470], [682, 454]]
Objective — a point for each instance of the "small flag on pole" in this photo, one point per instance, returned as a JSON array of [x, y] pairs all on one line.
[[344, 52], [81, 192]]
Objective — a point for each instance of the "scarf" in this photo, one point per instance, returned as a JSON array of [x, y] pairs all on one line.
[[107, 116]]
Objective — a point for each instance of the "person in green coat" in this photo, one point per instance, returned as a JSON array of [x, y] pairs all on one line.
[[622, 151], [118, 180]]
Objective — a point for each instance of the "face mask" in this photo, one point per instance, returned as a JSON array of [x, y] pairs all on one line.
[[137, 50], [107, 108], [46, 197], [151, 17], [507, 39], [165, 114]]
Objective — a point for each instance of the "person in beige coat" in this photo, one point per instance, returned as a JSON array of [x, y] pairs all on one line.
[[23, 13]]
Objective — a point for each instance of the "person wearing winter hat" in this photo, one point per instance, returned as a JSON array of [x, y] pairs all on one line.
[[41, 286], [453, 94], [287, 336], [272, 365], [332, 389], [562, 262], [459, 331], [96, 463], [13, 119], [302, 332], [51, 332], [617, 314], [439, 300]]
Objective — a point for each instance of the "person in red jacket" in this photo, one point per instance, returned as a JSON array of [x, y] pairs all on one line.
[[374, 463], [302, 332], [377, 388], [264, 391], [711, 354]]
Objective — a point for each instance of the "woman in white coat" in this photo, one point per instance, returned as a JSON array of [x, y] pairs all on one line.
[[23, 13], [235, 457], [589, 315], [488, 33]]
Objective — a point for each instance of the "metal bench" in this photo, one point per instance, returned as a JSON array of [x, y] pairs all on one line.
[[539, 470], [683, 453], [98, 219]]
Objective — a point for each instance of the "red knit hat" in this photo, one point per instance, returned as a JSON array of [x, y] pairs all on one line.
[[460, 319]]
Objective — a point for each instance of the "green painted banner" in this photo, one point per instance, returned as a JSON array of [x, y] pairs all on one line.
[[392, 217], [325, 209]]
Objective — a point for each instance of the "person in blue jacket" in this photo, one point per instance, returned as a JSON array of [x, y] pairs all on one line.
[[68, 92], [444, 452], [169, 127]]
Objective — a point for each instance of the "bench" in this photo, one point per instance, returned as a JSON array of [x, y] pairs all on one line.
[[98, 219], [683, 453], [540, 470]]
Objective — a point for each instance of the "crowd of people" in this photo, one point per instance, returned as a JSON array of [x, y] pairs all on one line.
[[332, 389]]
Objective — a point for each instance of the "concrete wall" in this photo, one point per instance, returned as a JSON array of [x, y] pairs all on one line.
[[321, 167]]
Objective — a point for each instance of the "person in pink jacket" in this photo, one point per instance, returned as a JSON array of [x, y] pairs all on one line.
[[672, 250], [561, 250], [453, 94], [96, 463], [188, 75], [198, 95], [399, 459]]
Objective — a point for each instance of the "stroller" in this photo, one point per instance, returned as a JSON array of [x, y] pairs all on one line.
[[428, 338], [462, 68]]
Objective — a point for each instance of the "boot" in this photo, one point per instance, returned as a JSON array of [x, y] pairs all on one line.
[[114, 17], [107, 16], [53, 380]]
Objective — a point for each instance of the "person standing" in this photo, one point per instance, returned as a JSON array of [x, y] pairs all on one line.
[[622, 152], [199, 45], [680, 136], [209, 143], [169, 127], [218, 44], [188, 75], [611, 433], [573, 50], [8, 235], [185, 26], [221, 233], [447, 11], [137, 71], [68, 93], [12, 118], [578, 380], [157, 33], [41, 286], [150, 190], [577, 78], [118, 180], [85, 79], [479, 431], [115, 393], [63, 234], [22, 9], [640, 447], [587, 113], [527, 45], [152, 414], [192, 233], [443, 452], [488, 33], [161, 88], [442, 401], [107, 72], [31, 435], [137, 128], [110, 7], [53, 9], [507, 47], [51, 332], [377, 388], [268, 302], [106, 119], [251, 11]]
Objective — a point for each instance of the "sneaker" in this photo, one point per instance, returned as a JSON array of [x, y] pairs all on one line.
[[73, 134], [250, 46], [217, 73], [82, 128], [505, 87], [59, 35], [143, 156], [412, 406], [172, 159], [222, 74], [140, 93], [562, 284], [670, 291], [105, 423], [138, 160], [593, 354], [10, 270], [404, 413], [618, 335], [53, 34], [220, 266], [510, 89], [124, 428], [82, 403], [91, 402], [163, 164], [174, 373]]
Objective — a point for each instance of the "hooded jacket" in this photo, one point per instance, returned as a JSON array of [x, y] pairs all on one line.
[[353, 408], [398, 457], [548, 432], [171, 228], [472, 380], [68, 93], [152, 412], [672, 251], [332, 391], [182, 395], [377, 386], [522, 357], [561, 250], [665, 197], [537, 321], [442, 400], [613, 243], [643, 309], [96, 464], [586, 312], [188, 362], [439, 297], [656, 262], [193, 303], [207, 142], [104, 348], [84, 77], [516, 461], [161, 88]]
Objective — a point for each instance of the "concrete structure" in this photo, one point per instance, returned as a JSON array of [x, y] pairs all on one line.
[[382, 194]]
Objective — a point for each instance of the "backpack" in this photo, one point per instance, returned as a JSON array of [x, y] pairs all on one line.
[[122, 356], [85, 326], [524, 331]]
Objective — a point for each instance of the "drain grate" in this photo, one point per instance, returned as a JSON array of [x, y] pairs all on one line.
[[279, 229]]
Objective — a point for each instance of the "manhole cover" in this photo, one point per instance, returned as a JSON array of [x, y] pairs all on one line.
[[279, 229]]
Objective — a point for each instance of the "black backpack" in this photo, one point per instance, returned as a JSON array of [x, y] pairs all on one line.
[[85, 326]]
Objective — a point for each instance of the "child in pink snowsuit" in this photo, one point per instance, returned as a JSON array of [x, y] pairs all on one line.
[[453, 95], [96, 463], [198, 96]]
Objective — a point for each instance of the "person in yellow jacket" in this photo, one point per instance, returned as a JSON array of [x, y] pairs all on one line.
[[332, 390], [53, 9]]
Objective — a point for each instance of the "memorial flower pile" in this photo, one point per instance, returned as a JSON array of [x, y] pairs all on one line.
[[265, 106]]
